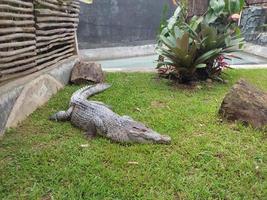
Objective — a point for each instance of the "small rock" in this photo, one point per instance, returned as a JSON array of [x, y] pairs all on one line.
[[84, 72], [158, 104], [246, 104]]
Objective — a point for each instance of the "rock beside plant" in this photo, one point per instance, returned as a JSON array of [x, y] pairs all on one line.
[[84, 72], [246, 104]]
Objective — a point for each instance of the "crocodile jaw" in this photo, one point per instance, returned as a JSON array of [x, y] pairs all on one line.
[[148, 136]]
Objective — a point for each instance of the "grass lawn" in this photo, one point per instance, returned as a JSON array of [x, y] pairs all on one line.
[[207, 159]]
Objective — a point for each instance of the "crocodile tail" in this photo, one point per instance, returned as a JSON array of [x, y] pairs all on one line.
[[86, 92]]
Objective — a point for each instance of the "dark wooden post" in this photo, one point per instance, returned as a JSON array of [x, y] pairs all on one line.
[[197, 7]]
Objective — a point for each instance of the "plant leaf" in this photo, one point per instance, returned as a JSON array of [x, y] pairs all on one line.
[[172, 21], [217, 6], [201, 66], [208, 55]]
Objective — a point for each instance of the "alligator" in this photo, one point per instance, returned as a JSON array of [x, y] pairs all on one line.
[[96, 118]]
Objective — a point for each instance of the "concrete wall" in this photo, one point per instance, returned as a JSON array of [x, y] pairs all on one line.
[[20, 97], [119, 22], [251, 24], [108, 23]]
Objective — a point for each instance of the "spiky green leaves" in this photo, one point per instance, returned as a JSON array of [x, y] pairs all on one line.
[[191, 44]]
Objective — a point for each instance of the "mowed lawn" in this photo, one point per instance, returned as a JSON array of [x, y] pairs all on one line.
[[208, 159]]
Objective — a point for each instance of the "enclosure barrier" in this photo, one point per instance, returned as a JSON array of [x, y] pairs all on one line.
[[35, 34]]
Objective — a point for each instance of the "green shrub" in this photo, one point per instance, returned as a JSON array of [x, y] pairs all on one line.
[[191, 47]]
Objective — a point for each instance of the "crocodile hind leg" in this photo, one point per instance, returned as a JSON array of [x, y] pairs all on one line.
[[91, 131], [62, 115]]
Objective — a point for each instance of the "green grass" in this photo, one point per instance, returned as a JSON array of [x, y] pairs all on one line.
[[207, 159]]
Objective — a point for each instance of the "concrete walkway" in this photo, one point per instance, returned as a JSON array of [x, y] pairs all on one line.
[[143, 58]]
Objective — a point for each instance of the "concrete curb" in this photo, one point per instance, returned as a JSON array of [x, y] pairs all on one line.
[[20, 97], [251, 66], [256, 50], [140, 69], [33, 95]]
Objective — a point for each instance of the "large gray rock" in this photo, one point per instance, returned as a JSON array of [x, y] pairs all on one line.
[[246, 104], [252, 19], [84, 72]]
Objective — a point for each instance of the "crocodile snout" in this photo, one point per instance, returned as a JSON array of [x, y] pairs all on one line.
[[148, 136]]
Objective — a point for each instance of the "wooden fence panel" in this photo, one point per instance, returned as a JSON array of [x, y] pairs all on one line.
[[56, 22], [197, 7], [17, 38], [35, 34]]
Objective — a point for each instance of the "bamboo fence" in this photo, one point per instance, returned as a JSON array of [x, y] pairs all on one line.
[[35, 34]]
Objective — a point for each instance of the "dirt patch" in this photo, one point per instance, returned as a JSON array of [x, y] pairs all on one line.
[[158, 104]]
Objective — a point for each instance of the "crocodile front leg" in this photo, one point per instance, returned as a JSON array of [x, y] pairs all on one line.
[[62, 115], [91, 131]]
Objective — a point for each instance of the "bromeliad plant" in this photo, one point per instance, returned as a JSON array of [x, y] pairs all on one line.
[[182, 52], [194, 49]]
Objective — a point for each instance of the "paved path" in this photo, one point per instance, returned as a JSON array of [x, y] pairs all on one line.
[[110, 61], [144, 63]]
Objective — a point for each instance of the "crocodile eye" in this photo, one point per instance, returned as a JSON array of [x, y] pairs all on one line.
[[140, 129]]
